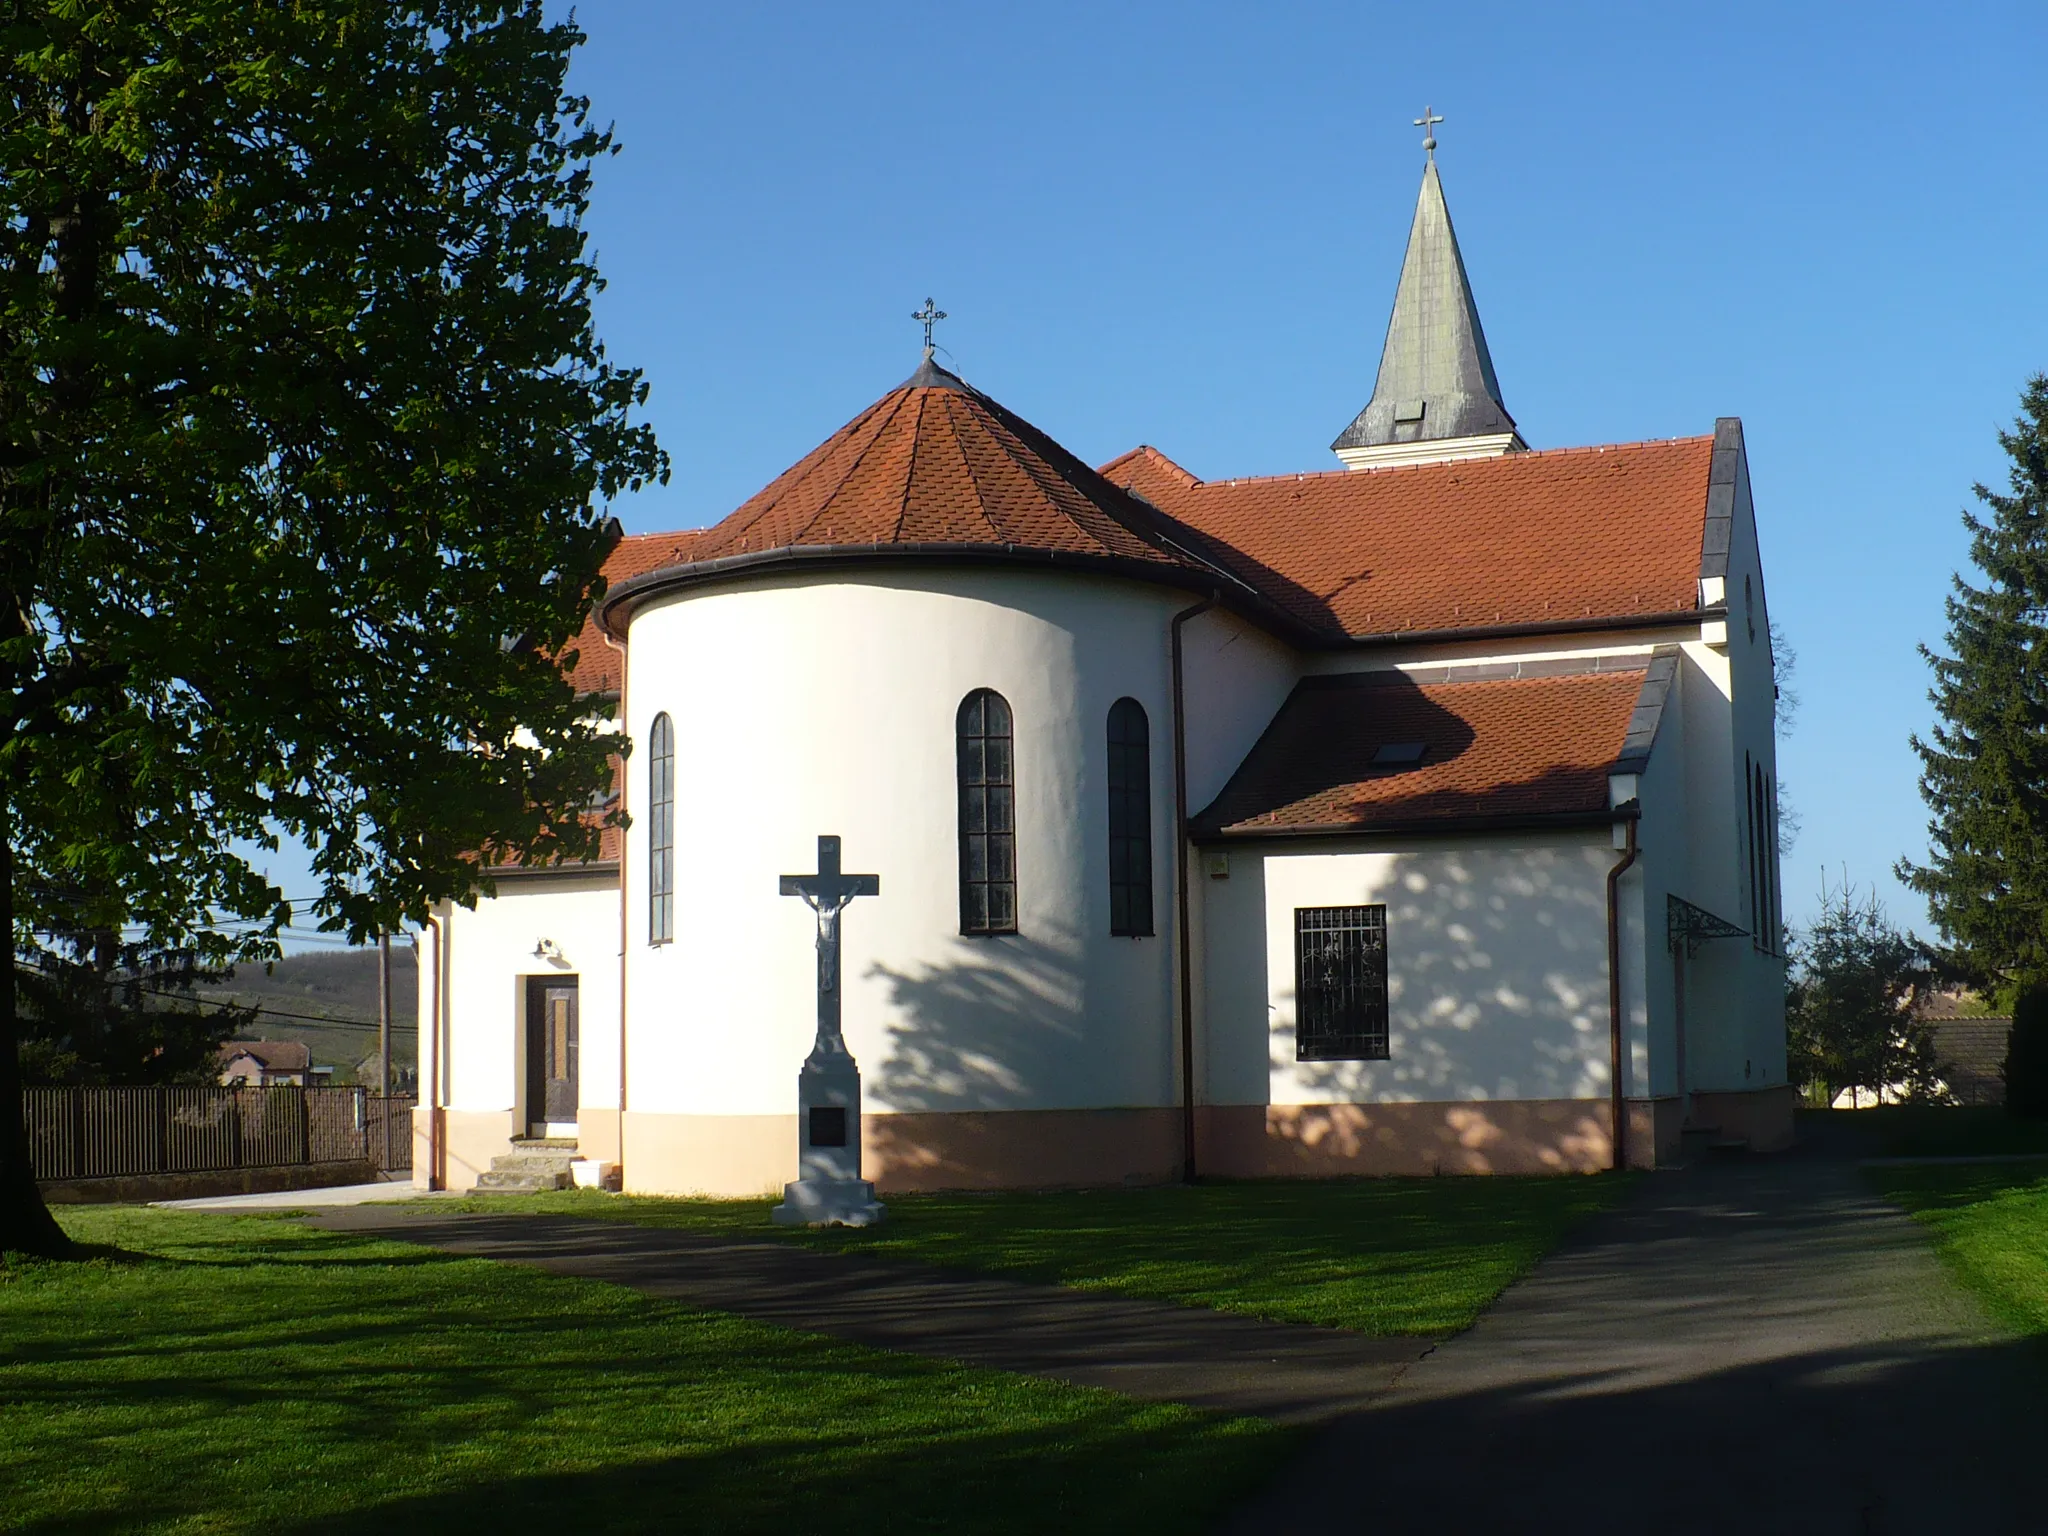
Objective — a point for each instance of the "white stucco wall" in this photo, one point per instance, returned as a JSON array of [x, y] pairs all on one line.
[[827, 705], [490, 956], [1497, 969], [1235, 678]]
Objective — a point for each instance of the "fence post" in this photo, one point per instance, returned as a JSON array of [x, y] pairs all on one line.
[[305, 1123], [163, 1129], [235, 1126], [78, 1133]]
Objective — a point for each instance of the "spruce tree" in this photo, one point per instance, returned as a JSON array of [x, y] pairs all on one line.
[[1984, 769]]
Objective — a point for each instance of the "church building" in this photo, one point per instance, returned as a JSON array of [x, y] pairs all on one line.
[[1416, 814]]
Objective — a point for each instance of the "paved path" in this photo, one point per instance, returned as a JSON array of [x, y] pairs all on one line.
[[1755, 1348], [1741, 1349], [307, 1199], [1146, 1349]]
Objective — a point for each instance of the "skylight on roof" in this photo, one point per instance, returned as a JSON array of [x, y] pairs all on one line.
[[1397, 752]]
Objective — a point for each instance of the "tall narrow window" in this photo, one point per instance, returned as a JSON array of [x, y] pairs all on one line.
[[988, 815], [661, 831], [1756, 925], [1340, 984], [1766, 861], [1130, 820]]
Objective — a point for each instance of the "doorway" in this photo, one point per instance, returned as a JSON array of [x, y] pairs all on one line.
[[551, 1051]]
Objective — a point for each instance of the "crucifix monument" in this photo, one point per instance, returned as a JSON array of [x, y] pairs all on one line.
[[829, 1190]]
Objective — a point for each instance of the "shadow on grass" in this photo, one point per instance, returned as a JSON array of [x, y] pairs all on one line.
[[1889, 1441], [1060, 1479]]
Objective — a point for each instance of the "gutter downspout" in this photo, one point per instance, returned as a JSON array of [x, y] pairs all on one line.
[[1180, 871], [625, 828], [436, 1125], [1620, 1113]]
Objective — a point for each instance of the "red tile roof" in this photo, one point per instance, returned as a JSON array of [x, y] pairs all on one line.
[[597, 664], [1494, 751], [936, 462], [1523, 539]]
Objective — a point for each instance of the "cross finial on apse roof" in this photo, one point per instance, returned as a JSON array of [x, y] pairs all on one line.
[[1427, 123], [929, 316]]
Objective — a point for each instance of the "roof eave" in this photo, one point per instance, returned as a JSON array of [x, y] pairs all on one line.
[[1670, 619], [616, 611], [1435, 826]]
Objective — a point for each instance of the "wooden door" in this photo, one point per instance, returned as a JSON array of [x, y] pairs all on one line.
[[551, 1049]]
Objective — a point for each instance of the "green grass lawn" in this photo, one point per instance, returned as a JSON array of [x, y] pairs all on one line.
[[1931, 1130], [1990, 1221], [1380, 1256], [245, 1374]]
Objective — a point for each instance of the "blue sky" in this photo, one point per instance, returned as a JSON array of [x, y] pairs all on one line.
[[1181, 224]]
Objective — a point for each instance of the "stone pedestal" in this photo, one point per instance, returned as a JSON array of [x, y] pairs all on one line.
[[829, 1191]]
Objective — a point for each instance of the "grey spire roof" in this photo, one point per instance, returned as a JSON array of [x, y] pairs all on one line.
[[1436, 377]]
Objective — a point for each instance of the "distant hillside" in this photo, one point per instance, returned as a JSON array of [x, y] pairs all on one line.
[[330, 1002]]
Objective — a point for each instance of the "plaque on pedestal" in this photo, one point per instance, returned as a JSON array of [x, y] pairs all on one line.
[[829, 1190]]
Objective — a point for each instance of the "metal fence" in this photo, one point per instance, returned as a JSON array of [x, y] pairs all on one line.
[[100, 1133]]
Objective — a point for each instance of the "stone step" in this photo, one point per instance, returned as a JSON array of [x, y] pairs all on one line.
[[535, 1157], [521, 1181], [544, 1143]]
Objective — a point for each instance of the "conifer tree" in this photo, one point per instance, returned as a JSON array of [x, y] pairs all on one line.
[[1984, 768]]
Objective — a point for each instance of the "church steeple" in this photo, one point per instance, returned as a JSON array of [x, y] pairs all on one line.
[[1436, 397]]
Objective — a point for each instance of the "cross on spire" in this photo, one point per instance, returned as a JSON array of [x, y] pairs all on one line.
[[929, 316], [1427, 123]]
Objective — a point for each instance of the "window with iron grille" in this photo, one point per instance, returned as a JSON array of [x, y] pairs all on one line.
[[1130, 820], [988, 815], [1340, 983], [661, 831]]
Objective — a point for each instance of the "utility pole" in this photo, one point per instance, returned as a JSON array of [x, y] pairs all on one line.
[[384, 1037]]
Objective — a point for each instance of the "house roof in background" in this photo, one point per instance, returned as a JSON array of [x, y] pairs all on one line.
[[1341, 758], [274, 1055]]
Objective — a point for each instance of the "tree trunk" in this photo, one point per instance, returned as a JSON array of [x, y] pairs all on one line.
[[26, 1225]]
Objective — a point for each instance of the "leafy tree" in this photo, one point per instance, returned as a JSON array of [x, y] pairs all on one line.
[[1849, 1008], [1784, 712], [305, 436], [1984, 770]]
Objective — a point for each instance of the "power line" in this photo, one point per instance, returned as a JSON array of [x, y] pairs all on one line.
[[277, 1013]]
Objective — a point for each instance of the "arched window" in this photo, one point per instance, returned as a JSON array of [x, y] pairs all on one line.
[[988, 815], [661, 831], [1130, 820]]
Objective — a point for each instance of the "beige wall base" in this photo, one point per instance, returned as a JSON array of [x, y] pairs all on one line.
[[1762, 1117], [597, 1135], [1656, 1130], [740, 1155], [1265, 1141], [1023, 1149], [754, 1155], [467, 1141], [731, 1155]]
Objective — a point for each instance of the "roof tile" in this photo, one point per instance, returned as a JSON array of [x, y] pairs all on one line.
[[1522, 539], [1493, 750]]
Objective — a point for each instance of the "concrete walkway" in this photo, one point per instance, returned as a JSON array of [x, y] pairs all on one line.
[[1145, 1349], [1753, 1348], [304, 1199]]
